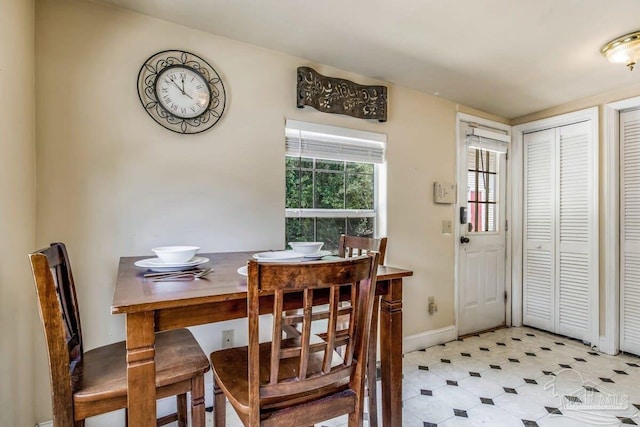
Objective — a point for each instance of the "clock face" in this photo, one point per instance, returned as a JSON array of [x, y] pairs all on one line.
[[183, 92]]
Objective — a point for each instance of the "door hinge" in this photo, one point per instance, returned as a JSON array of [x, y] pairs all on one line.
[[506, 155], [506, 225], [505, 296]]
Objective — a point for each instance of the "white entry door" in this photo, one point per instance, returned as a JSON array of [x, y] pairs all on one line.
[[630, 231], [481, 260]]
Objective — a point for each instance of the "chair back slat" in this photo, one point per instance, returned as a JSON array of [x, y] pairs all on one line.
[[350, 246], [287, 351], [277, 337], [60, 316], [315, 361], [305, 338], [334, 300], [348, 352], [296, 319]]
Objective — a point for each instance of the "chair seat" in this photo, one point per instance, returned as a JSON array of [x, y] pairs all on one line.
[[299, 381], [86, 384], [230, 368], [104, 369]]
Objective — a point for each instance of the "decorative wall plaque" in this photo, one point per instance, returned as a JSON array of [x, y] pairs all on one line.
[[333, 95]]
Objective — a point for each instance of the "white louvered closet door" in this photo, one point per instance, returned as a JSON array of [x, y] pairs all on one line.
[[539, 230], [560, 286], [577, 254], [630, 231]]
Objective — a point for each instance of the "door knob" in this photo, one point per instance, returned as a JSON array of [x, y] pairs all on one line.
[[464, 239]]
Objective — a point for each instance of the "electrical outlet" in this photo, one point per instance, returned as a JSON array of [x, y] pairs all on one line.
[[227, 338], [431, 304]]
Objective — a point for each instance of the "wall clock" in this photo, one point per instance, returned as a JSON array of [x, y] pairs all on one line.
[[181, 91]]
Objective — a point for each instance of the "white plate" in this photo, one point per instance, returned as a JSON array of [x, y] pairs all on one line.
[[155, 264], [243, 271], [279, 256], [317, 255]]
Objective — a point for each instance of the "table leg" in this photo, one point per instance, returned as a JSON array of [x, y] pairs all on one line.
[[391, 354], [197, 402], [372, 369], [141, 369]]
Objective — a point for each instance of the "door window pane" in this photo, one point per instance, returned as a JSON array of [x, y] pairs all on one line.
[[491, 218], [482, 179], [492, 188]]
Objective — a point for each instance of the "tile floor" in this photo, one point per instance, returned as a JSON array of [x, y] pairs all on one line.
[[515, 377]]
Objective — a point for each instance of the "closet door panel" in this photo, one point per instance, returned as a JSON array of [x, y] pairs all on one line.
[[577, 231], [630, 231], [560, 271], [539, 230]]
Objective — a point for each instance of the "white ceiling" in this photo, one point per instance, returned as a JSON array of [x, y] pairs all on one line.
[[506, 57]]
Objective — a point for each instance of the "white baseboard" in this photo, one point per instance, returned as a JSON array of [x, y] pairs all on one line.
[[45, 424], [429, 338]]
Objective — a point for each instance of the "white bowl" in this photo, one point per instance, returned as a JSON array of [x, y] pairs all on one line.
[[175, 254], [307, 248], [279, 256]]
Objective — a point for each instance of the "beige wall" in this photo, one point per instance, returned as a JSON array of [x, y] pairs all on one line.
[[17, 212], [112, 182]]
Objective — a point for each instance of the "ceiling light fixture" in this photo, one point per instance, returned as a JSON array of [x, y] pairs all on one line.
[[623, 50]]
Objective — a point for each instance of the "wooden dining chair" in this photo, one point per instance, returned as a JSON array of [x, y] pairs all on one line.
[[350, 246], [302, 380], [88, 383]]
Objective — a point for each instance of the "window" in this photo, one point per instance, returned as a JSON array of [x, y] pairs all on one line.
[[332, 182], [481, 193], [485, 151]]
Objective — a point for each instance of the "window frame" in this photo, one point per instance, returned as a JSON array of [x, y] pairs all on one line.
[[306, 141], [374, 213], [482, 174]]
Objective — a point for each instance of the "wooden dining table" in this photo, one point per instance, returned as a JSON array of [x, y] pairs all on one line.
[[222, 295]]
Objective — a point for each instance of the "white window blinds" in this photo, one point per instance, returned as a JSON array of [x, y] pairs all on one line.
[[305, 139], [488, 140]]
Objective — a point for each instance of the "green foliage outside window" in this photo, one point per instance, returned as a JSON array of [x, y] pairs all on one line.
[[328, 184]]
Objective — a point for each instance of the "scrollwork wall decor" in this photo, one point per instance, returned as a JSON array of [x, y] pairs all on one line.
[[334, 95]]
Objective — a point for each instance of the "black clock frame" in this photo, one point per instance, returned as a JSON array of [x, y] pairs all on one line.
[[147, 77]]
